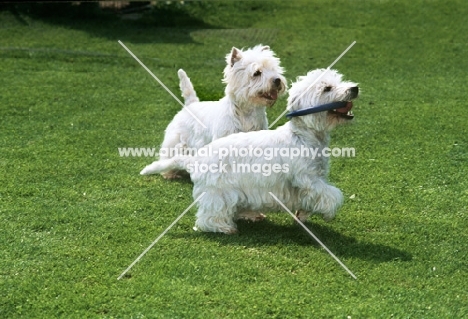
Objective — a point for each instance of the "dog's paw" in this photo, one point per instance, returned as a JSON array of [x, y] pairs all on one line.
[[217, 226], [302, 215], [231, 231], [260, 217], [251, 216], [328, 202], [171, 175], [175, 174]]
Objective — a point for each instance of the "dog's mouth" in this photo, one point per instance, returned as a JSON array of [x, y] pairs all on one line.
[[344, 112], [272, 95]]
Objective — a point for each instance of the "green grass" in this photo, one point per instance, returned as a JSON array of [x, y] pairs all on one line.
[[74, 214]]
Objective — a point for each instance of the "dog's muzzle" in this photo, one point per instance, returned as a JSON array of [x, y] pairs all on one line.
[[345, 111], [341, 108], [272, 95]]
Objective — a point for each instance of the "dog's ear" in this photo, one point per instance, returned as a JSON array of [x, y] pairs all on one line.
[[265, 47], [236, 56]]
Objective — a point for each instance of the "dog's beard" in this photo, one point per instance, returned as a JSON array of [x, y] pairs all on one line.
[[262, 101]]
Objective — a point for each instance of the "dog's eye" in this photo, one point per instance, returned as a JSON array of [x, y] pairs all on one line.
[[327, 89], [257, 73]]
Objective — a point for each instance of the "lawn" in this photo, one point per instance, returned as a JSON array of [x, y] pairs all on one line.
[[74, 213]]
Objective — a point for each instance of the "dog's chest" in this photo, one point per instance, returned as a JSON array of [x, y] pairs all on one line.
[[254, 121]]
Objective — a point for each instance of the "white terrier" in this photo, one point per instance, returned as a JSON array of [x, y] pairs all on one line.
[[299, 183], [254, 80]]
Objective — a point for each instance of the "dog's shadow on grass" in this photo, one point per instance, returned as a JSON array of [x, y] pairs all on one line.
[[137, 23], [267, 233]]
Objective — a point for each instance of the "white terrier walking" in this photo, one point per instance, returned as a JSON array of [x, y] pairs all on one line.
[[300, 183], [302, 186]]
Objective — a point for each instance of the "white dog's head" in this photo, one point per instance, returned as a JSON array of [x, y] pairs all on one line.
[[254, 77], [318, 88]]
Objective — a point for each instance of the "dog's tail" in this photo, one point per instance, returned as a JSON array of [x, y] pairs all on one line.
[[188, 92], [165, 165]]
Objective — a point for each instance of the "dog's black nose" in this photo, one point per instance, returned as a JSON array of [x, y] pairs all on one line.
[[354, 90], [277, 81]]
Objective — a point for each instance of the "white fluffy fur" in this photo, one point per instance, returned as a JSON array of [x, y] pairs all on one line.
[[186, 87], [303, 188], [254, 80]]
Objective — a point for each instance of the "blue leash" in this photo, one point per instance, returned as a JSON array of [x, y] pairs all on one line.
[[316, 109]]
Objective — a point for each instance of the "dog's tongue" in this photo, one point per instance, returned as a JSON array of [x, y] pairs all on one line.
[[274, 94], [345, 109]]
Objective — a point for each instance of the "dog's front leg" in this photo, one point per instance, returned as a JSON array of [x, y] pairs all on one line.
[[322, 198]]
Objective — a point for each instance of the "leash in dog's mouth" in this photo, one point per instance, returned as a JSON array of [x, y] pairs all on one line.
[[342, 108]]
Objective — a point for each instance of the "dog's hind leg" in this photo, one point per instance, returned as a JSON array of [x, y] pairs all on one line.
[[215, 214]]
